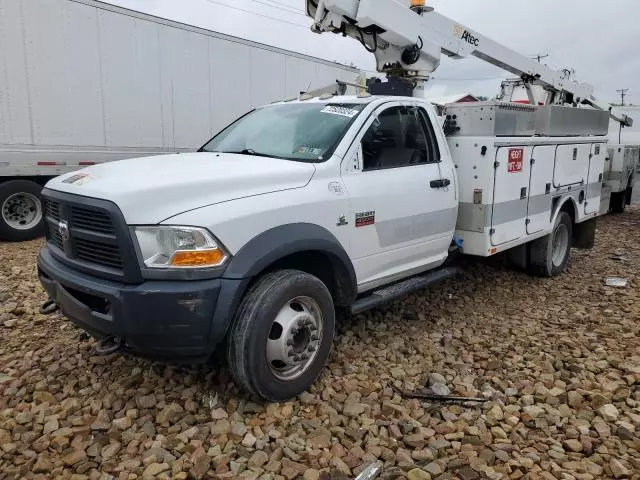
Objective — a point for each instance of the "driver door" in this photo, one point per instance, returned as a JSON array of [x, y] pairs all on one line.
[[400, 222]]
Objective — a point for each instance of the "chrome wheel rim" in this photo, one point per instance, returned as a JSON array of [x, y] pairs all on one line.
[[22, 211], [560, 245], [294, 338]]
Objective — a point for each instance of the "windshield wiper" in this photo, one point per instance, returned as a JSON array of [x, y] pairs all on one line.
[[251, 151]]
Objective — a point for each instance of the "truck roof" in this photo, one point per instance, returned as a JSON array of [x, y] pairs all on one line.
[[352, 99]]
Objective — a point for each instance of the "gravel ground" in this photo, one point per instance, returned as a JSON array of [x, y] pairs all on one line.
[[558, 362]]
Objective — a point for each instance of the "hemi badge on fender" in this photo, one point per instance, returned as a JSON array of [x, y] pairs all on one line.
[[365, 218]]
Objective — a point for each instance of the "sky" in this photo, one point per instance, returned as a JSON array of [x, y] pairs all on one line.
[[598, 39]]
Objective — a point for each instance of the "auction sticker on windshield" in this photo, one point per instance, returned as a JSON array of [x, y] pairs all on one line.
[[343, 111]]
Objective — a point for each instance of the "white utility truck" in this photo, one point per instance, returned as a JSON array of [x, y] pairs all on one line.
[[307, 205], [84, 82]]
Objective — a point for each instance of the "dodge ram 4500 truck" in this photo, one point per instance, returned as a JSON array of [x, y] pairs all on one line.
[[303, 206]]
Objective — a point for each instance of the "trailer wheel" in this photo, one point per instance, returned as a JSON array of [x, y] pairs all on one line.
[[282, 335], [549, 255], [618, 202], [20, 211]]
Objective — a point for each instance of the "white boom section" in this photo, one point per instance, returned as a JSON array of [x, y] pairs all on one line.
[[390, 30]]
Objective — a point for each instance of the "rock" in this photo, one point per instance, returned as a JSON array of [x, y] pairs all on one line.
[[498, 433], [533, 411], [123, 423], [249, 440], [403, 458], [220, 427], [618, 469], [50, 426], [42, 465], [418, 474], [44, 397], [422, 455], [574, 399], [237, 467], [495, 414], [110, 450], [433, 469], [76, 456], [440, 389], [258, 459], [609, 412], [23, 418], [598, 400], [146, 401], [320, 440], [573, 445], [155, 469], [354, 409], [340, 465], [311, 474], [170, 414], [291, 469], [201, 464], [219, 414], [415, 440]]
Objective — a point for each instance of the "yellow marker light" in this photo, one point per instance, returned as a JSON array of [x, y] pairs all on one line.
[[417, 3], [198, 258]]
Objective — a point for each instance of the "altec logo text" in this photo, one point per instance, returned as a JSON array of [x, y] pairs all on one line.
[[465, 35]]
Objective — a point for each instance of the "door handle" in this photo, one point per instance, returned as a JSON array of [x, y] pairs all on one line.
[[440, 183]]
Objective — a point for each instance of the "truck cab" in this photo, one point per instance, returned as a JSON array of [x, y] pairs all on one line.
[[296, 208]]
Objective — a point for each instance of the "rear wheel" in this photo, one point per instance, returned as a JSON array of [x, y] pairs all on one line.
[[550, 255], [20, 211], [282, 335]]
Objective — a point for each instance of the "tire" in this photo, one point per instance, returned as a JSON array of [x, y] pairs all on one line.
[[549, 255], [618, 202], [259, 347], [21, 215]]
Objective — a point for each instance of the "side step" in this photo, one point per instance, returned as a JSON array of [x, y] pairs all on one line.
[[400, 289]]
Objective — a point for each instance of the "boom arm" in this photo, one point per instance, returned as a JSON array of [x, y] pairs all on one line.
[[409, 43]]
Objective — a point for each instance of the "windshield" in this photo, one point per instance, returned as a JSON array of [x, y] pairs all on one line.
[[307, 132]]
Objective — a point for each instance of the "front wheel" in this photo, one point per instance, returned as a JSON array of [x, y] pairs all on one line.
[[20, 211], [281, 335], [549, 255]]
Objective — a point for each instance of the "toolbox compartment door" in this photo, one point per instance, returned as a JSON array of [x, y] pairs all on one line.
[[540, 186], [595, 178], [571, 165], [510, 194]]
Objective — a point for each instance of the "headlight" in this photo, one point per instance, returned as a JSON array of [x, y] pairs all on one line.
[[179, 247]]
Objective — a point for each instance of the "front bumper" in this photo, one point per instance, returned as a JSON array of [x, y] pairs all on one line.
[[170, 320]]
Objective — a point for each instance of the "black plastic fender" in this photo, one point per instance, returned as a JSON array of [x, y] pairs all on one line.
[[284, 240]]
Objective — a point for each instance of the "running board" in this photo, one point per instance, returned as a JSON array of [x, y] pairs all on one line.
[[398, 290]]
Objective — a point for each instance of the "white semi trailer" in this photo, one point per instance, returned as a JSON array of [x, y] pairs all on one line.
[[84, 82]]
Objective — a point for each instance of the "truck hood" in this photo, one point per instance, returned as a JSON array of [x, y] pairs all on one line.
[[149, 190]]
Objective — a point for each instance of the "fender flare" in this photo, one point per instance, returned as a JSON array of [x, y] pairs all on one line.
[[561, 203], [284, 240]]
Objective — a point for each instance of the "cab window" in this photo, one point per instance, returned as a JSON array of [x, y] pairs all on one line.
[[400, 136]]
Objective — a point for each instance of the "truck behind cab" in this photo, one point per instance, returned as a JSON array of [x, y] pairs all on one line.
[[302, 207]]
